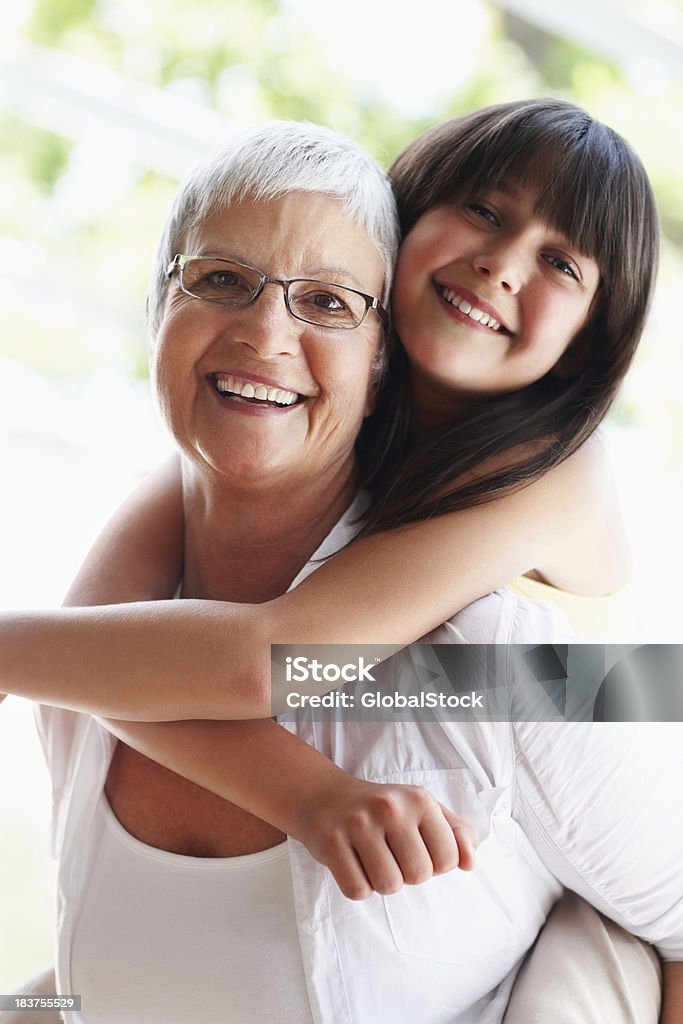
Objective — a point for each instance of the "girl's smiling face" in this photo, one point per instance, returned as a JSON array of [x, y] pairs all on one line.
[[487, 299]]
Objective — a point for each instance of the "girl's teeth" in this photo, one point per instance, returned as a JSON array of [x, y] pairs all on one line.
[[478, 315], [263, 393]]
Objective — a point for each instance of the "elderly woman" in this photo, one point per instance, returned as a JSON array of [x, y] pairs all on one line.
[[264, 483], [169, 902]]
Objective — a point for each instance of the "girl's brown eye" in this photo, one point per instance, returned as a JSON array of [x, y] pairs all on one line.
[[483, 211], [563, 265]]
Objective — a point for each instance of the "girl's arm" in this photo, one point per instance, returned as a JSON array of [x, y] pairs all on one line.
[[371, 836], [126, 661]]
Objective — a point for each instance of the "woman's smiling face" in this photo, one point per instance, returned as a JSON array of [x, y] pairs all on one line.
[[259, 396], [487, 298]]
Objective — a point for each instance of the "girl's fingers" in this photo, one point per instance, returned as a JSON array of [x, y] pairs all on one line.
[[349, 873], [465, 836], [379, 863], [396, 835], [440, 840], [414, 850]]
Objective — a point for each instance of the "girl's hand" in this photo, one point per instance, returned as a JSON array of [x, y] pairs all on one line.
[[378, 836]]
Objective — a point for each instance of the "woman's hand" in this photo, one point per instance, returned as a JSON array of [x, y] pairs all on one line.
[[378, 836]]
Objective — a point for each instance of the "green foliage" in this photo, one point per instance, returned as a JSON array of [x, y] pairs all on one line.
[[50, 22], [39, 155]]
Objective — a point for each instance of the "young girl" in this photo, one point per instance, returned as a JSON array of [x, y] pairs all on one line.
[[524, 278]]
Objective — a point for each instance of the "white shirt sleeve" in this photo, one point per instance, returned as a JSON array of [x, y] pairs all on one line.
[[504, 618], [602, 804]]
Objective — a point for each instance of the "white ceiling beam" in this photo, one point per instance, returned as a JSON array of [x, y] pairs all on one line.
[[82, 100], [619, 34]]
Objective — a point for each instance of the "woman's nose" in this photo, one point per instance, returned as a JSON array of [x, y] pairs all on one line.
[[267, 326]]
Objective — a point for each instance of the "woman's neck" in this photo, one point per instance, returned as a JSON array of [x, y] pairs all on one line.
[[247, 546]]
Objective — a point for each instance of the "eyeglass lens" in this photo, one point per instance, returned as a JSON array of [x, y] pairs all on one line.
[[317, 302]]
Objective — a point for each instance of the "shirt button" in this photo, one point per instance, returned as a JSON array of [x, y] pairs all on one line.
[[310, 926]]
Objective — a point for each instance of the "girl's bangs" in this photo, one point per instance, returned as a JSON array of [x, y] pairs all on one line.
[[571, 193]]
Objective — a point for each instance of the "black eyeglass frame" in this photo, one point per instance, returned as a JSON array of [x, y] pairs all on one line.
[[180, 261]]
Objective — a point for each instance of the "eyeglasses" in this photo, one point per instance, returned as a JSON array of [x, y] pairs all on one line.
[[237, 285]]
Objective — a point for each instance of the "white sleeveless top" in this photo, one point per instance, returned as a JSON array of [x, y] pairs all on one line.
[[142, 910]]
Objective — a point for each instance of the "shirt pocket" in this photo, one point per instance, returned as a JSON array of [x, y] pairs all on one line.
[[462, 917]]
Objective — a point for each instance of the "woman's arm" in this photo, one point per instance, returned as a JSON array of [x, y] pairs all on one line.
[[388, 588], [139, 554]]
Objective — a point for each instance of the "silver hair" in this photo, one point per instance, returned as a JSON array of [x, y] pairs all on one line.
[[266, 162]]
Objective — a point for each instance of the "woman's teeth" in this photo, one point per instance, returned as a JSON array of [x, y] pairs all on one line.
[[469, 310], [261, 392]]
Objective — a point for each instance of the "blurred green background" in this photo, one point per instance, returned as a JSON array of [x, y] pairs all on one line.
[[105, 103]]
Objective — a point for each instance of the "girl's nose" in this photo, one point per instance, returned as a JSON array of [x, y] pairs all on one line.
[[502, 265]]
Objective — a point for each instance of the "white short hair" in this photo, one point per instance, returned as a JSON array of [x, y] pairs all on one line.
[[266, 162]]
